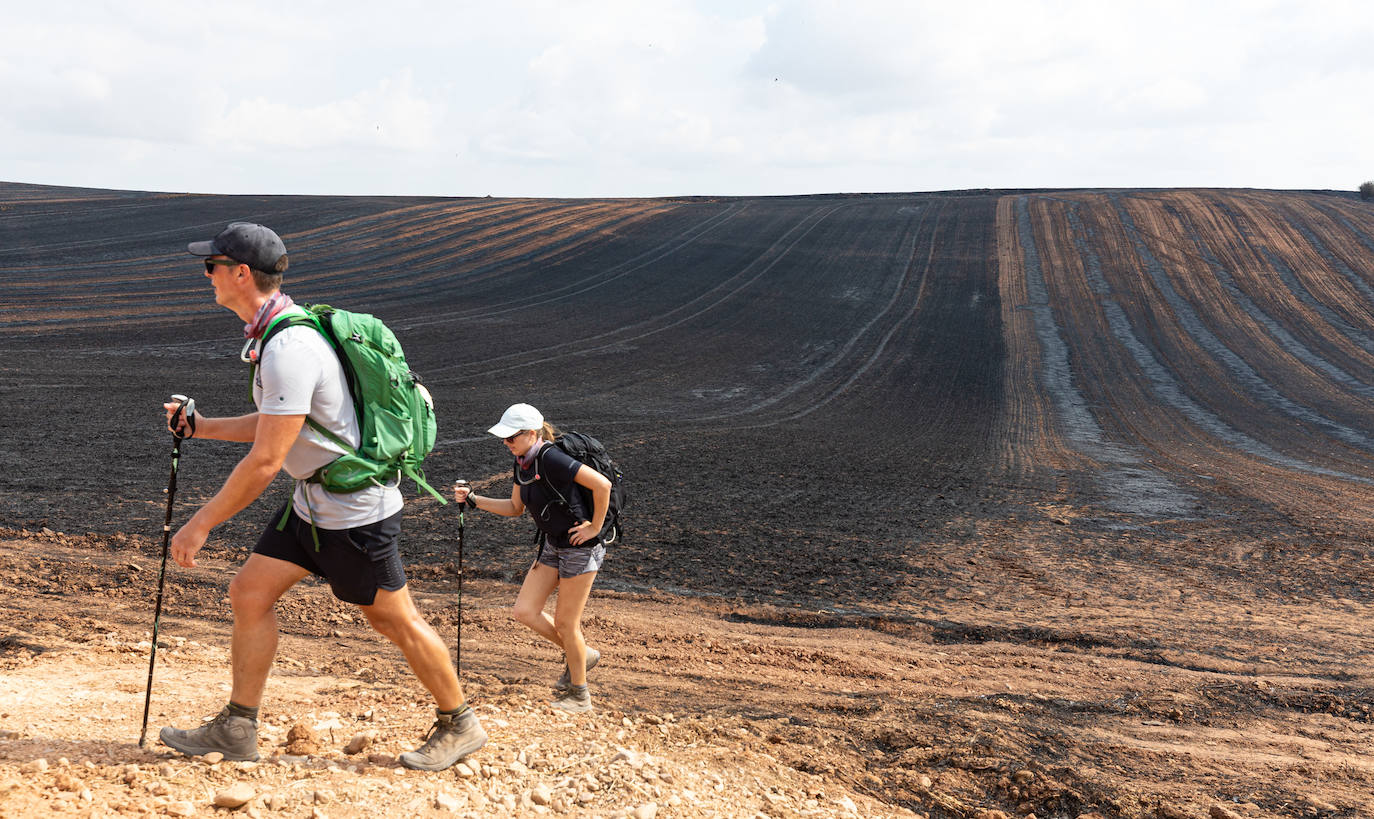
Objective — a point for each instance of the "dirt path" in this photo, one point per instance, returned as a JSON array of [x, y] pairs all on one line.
[[1158, 697]]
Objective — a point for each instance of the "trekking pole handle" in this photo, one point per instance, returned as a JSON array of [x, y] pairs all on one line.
[[467, 499], [186, 408]]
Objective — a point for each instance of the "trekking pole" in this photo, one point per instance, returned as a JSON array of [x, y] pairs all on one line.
[[461, 506], [187, 405]]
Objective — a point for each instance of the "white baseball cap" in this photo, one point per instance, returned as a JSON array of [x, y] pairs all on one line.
[[517, 418]]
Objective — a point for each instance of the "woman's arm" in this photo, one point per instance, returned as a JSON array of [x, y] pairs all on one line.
[[512, 508], [600, 487]]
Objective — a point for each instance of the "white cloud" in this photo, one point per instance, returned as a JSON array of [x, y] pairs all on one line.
[[650, 80], [621, 97], [389, 115]]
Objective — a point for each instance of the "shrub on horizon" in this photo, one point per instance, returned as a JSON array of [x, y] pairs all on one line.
[[1367, 191]]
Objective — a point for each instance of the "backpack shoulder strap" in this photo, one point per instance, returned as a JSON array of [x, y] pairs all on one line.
[[523, 480], [539, 473], [520, 479], [297, 318], [290, 318]]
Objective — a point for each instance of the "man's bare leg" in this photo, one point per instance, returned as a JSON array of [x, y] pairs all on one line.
[[253, 593], [456, 732], [394, 616]]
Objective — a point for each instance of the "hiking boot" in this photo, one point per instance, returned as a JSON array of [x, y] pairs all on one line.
[[575, 700], [234, 736], [565, 680], [450, 739]]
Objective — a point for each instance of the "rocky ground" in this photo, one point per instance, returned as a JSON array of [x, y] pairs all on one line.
[[342, 706], [1187, 702]]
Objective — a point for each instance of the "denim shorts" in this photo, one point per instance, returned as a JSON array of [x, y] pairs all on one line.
[[356, 562], [570, 561]]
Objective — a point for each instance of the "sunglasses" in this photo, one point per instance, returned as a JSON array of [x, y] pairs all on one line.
[[211, 263], [510, 439]]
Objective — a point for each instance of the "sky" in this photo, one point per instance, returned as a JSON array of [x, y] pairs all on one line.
[[636, 98]]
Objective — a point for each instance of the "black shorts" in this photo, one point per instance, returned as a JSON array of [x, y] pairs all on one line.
[[356, 562]]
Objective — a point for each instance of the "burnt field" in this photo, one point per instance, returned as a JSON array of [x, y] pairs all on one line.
[[1090, 469], [800, 391]]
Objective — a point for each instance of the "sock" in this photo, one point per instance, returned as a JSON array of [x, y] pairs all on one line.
[[244, 711], [457, 712], [578, 691]]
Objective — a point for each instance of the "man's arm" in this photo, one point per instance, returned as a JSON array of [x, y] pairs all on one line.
[[241, 428], [272, 439]]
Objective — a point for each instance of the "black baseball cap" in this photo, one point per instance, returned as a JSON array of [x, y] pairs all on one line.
[[255, 245]]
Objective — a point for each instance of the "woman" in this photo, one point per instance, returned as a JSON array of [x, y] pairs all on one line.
[[549, 483]]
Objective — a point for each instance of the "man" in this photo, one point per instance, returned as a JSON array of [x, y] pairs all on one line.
[[296, 375]]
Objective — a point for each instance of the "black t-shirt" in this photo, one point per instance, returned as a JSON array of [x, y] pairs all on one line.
[[546, 487]]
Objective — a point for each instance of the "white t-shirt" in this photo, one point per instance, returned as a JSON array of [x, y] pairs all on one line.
[[299, 374]]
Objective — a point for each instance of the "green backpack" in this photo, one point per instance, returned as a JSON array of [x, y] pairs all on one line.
[[395, 411]]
